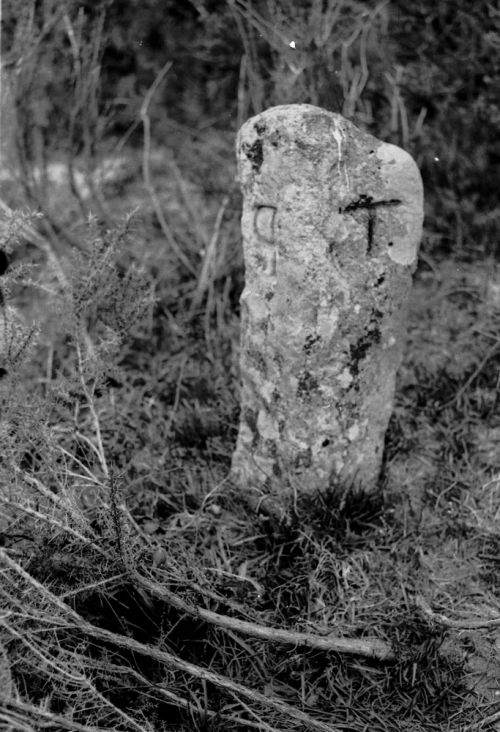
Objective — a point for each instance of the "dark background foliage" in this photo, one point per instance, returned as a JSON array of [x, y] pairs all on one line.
[[432, 86]]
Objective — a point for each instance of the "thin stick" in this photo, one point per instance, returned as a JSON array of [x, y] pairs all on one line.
[[170, 660], [49, 718], [62, 526], [460, 624], [208, 267], [146, 168], [179, 701], [472, 378], [482, 724], [201, 673], [368, 647]]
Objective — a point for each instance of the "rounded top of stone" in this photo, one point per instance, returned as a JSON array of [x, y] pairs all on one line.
[[296, 110], [337, 167], [290, 113]]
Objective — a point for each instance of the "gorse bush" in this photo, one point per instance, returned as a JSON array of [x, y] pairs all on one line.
[[91, 309], [16, 337], [59, 495]]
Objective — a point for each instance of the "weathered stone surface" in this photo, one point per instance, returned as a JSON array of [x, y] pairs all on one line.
[[331, 225]]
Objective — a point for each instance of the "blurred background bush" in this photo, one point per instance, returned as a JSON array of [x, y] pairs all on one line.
[[421, 74]]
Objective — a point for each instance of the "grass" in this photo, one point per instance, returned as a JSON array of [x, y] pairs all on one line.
[[139, 591]]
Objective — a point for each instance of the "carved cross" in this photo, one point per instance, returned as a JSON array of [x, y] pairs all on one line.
[[368, 203]]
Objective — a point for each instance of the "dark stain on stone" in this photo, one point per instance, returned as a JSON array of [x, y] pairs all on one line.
[[380, 281], [360, 349], [357, 353], [269, 295], [254, 153], [373, 325], [310, 341], [275, 396], [301, 144], [250, 417], [307, 384], [260, 127], [325, 443]]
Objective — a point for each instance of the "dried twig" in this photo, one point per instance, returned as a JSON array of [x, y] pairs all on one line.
[[58, 524], [208, 267], [491, 352], [46, 719], [71, 619], [146, 169], [481, 724], [175, 699], [201, 673], [368, 647], [6, 683], [460, 624]]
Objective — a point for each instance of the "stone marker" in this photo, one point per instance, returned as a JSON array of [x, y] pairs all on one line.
[[331, 223]]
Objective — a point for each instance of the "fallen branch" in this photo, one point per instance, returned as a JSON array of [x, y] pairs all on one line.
[[191, 669], [368, 647], [72, 620], [208, 267], [191, 707], [146, 170], [202, 673], [16, 711]]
